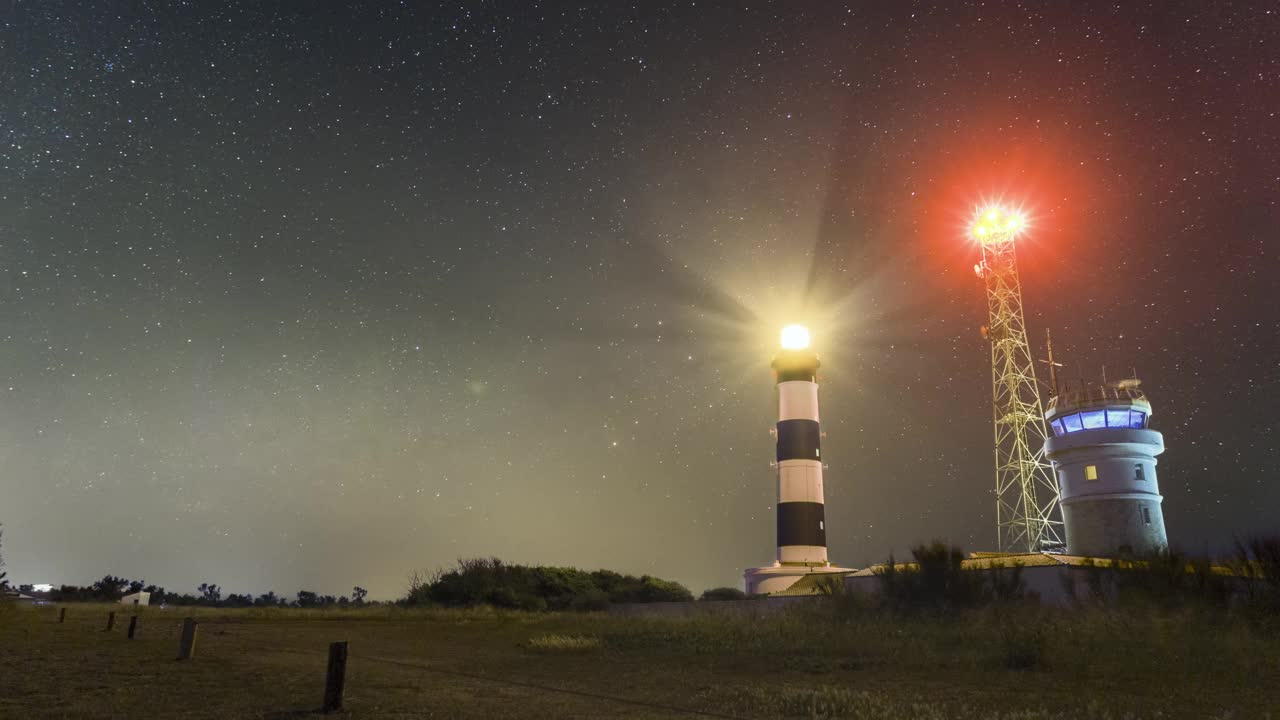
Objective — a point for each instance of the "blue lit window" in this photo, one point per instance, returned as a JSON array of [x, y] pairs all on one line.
[[1137, 419], [1057, 427], [1094, 419], [1072, 423], [1117, 418]]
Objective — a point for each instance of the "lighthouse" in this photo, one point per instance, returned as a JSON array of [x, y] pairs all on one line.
[[801, 518], [1104, 454]]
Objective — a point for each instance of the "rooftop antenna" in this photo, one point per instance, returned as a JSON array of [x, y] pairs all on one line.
[[1053, 366]]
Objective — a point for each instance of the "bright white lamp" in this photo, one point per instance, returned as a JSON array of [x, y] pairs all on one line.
[[795, 337]]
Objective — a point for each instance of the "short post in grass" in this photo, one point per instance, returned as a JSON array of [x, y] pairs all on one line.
[[336, 678], [62, 615], [111, 621], [187, 645], [133, 626]]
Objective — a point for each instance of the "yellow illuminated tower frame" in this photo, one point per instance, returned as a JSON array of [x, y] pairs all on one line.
[[1026, 488]]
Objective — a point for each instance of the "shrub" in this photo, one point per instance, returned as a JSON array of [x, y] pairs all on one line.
[[1166, 579], [723, 593], [1257, 561], [490, 581], [592, 600], [937, 581], [654, 589], [1005, 583]]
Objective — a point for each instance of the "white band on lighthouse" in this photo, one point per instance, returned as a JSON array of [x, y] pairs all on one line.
[[798, 400], [800, 481]]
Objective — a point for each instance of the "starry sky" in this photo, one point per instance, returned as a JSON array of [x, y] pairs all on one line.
[[309, 295]]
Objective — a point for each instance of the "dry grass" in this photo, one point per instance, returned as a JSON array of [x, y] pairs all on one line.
[[487, 664], [564, 643]]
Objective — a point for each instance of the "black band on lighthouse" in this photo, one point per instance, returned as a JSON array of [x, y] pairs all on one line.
[[792, 374], [801, 523], [793, 365], [799, 440]]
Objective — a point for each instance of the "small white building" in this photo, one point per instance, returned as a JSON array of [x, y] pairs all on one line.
[[138, 598]]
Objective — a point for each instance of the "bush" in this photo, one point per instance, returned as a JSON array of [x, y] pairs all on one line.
[[654, 589], [1257, 561], [490, 581], [937, 581], [1167, 579], [723, 593], [590, 601]]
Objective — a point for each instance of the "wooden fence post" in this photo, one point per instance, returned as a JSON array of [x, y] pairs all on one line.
[[187, 646], [62, 615], [133, 626], [111, 620], [336, 678]]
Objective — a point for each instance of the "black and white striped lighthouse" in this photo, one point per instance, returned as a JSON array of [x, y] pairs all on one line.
[[802, 524], [802, 527]]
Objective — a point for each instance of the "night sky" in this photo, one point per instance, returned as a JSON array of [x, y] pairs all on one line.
[[309, 295]]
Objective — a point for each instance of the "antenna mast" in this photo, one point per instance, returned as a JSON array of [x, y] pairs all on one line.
[[1026, 489], [1053, 366]]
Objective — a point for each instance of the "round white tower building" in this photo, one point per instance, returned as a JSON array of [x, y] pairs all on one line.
[[1105, 456]]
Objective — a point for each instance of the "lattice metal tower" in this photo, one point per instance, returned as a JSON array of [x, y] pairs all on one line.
[[1026, 488]]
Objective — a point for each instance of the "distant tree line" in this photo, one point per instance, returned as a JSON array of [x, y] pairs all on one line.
[[111, 589], [490, 581]]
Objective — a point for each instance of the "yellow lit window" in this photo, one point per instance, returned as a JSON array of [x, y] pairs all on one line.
[[1090, 472]]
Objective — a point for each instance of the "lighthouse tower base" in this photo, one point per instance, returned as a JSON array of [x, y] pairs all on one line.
[[778, 577]]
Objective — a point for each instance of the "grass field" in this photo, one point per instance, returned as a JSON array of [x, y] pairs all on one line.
[[486, 664]]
